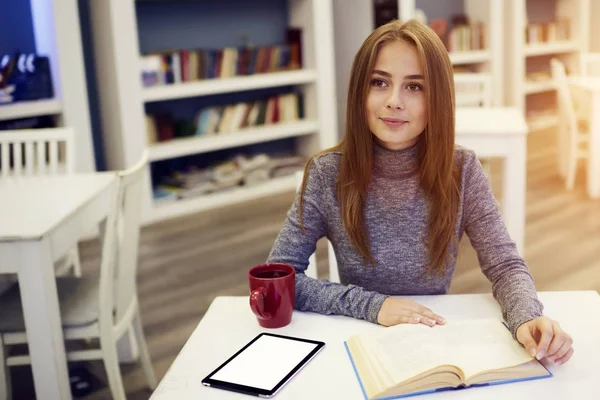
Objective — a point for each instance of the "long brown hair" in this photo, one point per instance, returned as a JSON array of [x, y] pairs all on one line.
[[439, 177]]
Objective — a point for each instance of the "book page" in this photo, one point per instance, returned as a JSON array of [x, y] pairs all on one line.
[[483, 345], [405, 351], [408, 350]]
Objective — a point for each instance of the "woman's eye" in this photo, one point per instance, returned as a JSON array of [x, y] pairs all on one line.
[[414, 87], [378, 82]]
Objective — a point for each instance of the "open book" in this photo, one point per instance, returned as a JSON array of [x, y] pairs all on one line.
[[410, 359]]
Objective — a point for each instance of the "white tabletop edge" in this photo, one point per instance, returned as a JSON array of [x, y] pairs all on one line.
[[109, 177]]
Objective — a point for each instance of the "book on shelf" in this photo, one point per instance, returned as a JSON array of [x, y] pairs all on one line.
[[460, 33], [224, 119], [547, 32], [187, 65], [411, 359]]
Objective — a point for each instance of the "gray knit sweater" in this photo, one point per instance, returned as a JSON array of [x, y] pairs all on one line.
[[396, 220]]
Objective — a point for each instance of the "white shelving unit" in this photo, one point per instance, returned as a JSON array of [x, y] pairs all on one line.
[[490, 60], [26, 109], [199, 144], [123, 99], [537, 98], [172, 209], [56, 29], [236, 84]]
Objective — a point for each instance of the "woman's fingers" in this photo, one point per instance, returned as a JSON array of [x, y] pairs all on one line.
[[565, 358], [433, 316], [410, 317], [560, 345], [425, 318]]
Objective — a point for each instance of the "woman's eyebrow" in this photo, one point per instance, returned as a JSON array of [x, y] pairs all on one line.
[[383, 73], [407, 77]]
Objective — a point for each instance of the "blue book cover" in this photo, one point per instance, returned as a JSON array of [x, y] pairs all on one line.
[[449, 388]]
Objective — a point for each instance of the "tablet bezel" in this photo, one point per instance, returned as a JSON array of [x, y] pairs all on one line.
[[208, 381]]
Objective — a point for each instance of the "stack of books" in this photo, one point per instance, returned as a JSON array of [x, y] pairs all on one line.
[[220, 120], [241, 170]]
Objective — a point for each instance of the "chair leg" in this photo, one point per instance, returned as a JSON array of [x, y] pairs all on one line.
[[572, 169], [111, 365], [74, 255], [5, 383], [144, 353]]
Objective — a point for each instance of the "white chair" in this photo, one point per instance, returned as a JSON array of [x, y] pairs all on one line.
[[311, 270], [104, 307], [589, 64], [575, 137], [48, 151], [473, 89]]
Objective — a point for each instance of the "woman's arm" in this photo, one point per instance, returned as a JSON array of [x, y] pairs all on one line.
[[294, 246], [512, 284]]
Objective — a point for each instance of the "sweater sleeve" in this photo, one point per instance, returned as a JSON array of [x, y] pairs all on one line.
[[294, 246], [512, 284]]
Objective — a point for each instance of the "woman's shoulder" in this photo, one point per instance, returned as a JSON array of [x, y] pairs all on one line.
[[464, 157], [328, 163]]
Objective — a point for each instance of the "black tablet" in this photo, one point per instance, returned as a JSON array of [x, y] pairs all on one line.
[[264, 365]]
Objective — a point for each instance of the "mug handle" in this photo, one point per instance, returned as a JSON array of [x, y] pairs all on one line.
[[257, 303]]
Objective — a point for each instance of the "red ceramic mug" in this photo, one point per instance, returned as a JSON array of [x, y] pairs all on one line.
[[272, 294]]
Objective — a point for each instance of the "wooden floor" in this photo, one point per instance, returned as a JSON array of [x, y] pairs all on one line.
[[185, 263]]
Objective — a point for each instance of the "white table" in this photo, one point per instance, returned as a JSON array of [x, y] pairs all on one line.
[[41, 218], [591, 84], [500, 132], [229, 324]]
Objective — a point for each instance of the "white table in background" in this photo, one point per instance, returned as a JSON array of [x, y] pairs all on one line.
[[40, 219], [229, 324], [591, 84], [500, 132]]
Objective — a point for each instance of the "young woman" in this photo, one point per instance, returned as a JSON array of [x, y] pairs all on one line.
[[396, 196]]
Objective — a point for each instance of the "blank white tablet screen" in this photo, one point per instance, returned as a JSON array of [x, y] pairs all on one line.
[[265, 362]]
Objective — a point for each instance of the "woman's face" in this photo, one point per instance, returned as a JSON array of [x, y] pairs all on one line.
[[396, 105]]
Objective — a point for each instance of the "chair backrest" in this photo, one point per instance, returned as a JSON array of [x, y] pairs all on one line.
[[473, 89], [565, 100], [311, 270], [118, 290], [589, 64], [26, 152]]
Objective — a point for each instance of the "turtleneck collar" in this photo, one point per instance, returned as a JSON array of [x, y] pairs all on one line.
[[394, 164]]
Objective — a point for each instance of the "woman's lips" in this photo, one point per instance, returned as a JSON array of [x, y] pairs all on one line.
[[393, 122]]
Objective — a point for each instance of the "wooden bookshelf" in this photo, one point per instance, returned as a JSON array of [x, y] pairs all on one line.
[[524, 58], [26, 109], [174, 208], [204, 144], [543, 49], [470, 57], [124, 98], [539, 87], [228, 85]]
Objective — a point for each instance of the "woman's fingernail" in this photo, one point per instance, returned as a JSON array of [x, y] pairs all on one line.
[[532, 351], [416, 319], [540, 355], [431, 321], [442, 321]]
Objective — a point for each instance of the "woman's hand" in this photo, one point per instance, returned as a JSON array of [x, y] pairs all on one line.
[[405, 311], [543, 337]]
